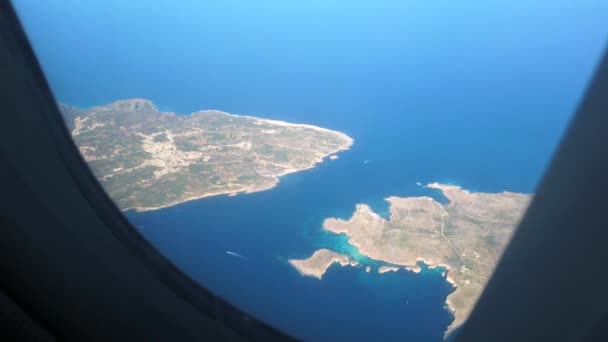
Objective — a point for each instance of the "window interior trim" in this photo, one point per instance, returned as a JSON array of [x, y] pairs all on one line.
[[24, 62]]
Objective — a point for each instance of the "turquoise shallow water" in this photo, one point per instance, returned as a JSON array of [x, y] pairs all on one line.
[[348, 303], [472, 92], [270, 227]]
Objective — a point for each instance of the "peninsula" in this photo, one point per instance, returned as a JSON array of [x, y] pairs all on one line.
[[147, 159], [466, 237], [319, 262]]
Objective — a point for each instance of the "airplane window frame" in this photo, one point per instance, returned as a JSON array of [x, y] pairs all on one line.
[[24, 61], [40, 94]]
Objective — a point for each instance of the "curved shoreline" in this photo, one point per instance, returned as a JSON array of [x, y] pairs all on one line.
[[440, 239], [318, 271], [348, 142], [246, 190], [411, 266]]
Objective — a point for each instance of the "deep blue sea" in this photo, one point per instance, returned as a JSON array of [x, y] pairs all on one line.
[[466, 92]]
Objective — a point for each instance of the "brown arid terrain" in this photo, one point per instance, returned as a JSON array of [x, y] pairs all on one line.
[[466, 236], [319, 262]]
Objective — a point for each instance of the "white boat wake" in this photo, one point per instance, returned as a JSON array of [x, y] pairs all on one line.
[[236, 255]]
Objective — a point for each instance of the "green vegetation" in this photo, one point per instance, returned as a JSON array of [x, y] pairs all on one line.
[[147, 159]]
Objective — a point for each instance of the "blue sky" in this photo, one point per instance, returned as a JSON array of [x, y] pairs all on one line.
[[114, 42]]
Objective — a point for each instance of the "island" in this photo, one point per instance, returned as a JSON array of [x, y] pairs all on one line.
[[147, 159], [384, 269], [465, 237], [319, 262]]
